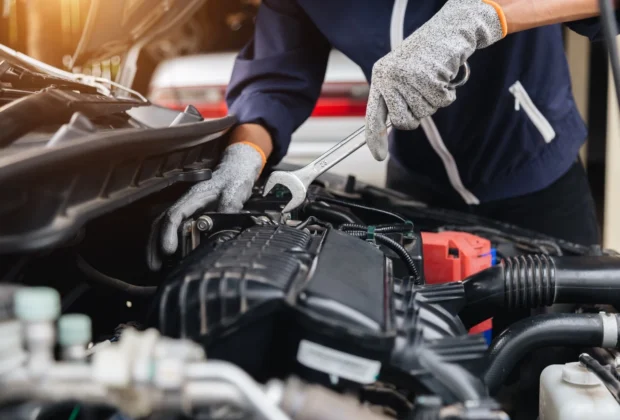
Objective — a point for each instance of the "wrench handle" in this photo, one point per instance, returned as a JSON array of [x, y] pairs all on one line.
[[340, 151], [336, 154], [346, 147]]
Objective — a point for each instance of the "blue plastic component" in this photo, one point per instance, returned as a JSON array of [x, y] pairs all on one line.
[[493, 256], [488, 336]]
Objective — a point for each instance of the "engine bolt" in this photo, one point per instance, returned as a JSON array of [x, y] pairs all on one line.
[[204, 223]]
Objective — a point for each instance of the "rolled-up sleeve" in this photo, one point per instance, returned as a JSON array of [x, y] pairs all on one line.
[[590, 27], [277, 77]]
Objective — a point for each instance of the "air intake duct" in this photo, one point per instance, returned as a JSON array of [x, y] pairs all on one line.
[[533, 281]]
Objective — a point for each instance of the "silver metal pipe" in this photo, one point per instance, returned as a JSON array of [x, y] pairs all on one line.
[[54, 392], [312, 402], [69, 372], [204, 393], [227, 372]]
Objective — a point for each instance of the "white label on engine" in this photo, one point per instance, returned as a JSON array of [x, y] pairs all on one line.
[[337, 363]]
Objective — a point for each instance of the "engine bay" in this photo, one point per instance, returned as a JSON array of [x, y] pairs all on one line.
[[361, 303], [385, 306]]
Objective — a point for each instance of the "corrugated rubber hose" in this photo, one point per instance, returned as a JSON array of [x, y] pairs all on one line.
[[534, 281]]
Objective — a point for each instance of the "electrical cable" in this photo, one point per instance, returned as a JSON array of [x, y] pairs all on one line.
[[394, 246], [400, 228], [443, 219], [610, 31], [98, 277], [325, 212], [603, 373], [313, 220], [530, 244], [361, 207]]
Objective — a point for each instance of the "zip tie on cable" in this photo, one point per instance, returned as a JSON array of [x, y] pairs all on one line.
[[370, 234], [409, 235]]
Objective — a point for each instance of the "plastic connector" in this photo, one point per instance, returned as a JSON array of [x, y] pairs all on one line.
[[37, 304], [454, 256], [74, 330]]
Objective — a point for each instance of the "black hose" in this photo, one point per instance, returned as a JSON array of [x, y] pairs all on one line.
[[606, 376], [462, 384], [550, 330], [361, 207], [610, 31], [533, 281], [98, 277], [394, 246]]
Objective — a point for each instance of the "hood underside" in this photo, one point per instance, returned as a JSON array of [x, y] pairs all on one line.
[[114, 27]]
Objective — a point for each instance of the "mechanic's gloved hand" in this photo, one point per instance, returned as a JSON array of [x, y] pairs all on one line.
[[231, 186], [413, 81]]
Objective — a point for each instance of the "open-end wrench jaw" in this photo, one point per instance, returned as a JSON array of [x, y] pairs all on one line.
[[292, 182]]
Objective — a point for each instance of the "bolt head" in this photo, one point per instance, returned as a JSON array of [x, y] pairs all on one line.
[[204, 223]]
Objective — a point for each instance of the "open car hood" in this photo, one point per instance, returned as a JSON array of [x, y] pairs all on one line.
[[64, 156], [118, 27], [70, 153]]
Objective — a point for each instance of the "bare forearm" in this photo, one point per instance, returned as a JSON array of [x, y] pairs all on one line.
[[255, 134], [527, 14]]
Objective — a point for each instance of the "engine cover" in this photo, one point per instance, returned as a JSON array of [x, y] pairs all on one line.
[[254, 298], [278, 301]]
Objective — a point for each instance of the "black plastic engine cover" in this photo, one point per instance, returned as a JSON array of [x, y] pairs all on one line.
[[253, 299]]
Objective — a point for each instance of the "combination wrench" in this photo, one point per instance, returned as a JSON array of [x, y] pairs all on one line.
[[298, 181]]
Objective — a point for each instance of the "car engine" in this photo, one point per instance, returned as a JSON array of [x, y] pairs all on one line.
[[362, 303], [340, 302]]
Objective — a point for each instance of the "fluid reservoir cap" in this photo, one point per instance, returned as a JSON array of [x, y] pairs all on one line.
[[575, 373], [37, 304], [74, 330]]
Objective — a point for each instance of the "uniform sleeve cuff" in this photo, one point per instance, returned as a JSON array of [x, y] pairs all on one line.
[[258, 108]]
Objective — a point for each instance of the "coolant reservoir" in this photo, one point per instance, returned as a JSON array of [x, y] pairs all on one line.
[[571, 392]]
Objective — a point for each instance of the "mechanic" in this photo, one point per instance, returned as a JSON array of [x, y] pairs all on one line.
[[506, 149]]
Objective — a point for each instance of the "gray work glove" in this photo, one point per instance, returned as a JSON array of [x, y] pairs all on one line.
[[230, 186], [414, 81]]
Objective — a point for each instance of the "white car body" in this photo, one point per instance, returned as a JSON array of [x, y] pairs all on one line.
[[313, 138]]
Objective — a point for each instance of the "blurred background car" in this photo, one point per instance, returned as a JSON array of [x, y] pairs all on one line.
[[201, 80]]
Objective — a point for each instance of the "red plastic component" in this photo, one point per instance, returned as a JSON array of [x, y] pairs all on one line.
[[454, 256]]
